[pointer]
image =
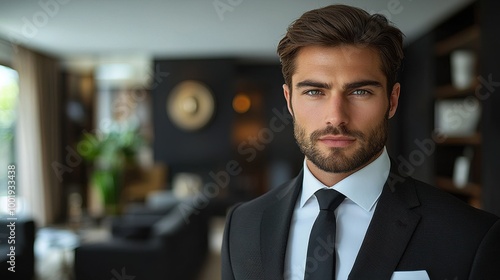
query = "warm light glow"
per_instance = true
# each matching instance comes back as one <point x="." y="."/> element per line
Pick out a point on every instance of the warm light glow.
<point x="241" y="103"/>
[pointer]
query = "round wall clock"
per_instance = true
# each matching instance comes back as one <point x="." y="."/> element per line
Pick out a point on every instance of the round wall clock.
<point x="190" y="105"/>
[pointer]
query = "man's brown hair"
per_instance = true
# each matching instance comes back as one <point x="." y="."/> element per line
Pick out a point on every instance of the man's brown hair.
<point x="338" y="25"/>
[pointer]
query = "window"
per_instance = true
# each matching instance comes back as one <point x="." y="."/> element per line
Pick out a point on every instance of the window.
<point x="9" y="90"/>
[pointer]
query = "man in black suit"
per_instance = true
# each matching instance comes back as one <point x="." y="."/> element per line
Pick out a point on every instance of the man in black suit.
<point x="340" y="65"/>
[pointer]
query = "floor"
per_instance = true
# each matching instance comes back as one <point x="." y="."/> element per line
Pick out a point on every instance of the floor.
<point x="211" y="270"/>
<point x="54" y="252"/>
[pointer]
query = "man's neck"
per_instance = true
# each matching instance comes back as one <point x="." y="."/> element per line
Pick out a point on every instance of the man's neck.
<point x="330" y="178"/>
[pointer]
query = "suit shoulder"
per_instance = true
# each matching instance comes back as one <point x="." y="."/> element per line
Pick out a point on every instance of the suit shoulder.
<point x="443" y="203"/>
<point x="259" y="204"/>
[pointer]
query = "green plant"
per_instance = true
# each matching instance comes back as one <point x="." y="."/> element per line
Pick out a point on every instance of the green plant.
<point x="110" y="154"/>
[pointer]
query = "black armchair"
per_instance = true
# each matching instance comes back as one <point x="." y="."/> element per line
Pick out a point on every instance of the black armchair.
<point x="169" y="244"/>
<point x="24" y="233"/>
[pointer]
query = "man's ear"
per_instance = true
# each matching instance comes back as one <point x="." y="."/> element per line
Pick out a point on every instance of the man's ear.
<point x="288" y="96"/>
<point x="394" y="99"/>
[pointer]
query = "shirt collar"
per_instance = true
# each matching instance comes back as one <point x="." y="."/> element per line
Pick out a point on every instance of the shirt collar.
<point x="362" y="187"/>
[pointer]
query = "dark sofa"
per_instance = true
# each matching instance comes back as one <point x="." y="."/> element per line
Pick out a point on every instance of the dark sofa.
<point x="24" y="233"/>
<point x="169" y="242"/>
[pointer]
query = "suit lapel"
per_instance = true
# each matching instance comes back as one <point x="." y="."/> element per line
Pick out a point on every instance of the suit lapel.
<point x="275" y="227"/>
<point x="390" y="230"/>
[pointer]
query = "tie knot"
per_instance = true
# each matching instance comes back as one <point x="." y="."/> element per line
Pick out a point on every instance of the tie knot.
<point x="329" y="199"/>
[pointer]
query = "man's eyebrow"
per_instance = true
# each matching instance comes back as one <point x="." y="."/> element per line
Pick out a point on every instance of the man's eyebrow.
<point x="311" y="83"/>
<point x="363" y="83"/>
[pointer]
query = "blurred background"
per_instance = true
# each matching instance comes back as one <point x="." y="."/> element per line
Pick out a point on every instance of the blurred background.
<point x="133" y="126"/>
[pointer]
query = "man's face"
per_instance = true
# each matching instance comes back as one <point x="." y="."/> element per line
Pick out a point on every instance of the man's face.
<point x="340" y="106"/>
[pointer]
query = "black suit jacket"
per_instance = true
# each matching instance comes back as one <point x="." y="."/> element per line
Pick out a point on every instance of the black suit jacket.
<point x="415" y="227"/>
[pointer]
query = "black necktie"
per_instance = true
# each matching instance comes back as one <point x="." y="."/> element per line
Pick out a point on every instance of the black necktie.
<point x="320" y="262"/>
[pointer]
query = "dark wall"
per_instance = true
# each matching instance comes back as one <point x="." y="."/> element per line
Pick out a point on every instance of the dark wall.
<point x="414" y="117"/>
<point x="208" y="146"/>
<point x="489" y="93"/>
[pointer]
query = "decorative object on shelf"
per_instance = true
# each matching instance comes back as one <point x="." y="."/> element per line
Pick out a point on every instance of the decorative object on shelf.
<point x="461" y="169"/>
<point x="457" y="117"/>
<point x="190" y="105"/>
<point x="187" y="184"/>
<point x="462" y="68"/>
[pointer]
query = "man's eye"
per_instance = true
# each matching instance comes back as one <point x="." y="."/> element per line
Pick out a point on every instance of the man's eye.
<point x="360" y="92"/>
<point x="313" y="92"/>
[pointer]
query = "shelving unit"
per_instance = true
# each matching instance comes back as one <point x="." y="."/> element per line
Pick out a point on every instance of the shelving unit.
<point x="452" y="147"/>
<point x="472" y="140"/>
<point x="426" y="80"/>
<point x="467" y="38"/>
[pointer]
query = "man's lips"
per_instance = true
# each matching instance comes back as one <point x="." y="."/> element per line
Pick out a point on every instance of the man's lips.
<point x="337" y="140"/>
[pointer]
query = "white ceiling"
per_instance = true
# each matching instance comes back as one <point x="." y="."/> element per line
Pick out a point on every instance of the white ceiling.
<point x="175" y="28"/>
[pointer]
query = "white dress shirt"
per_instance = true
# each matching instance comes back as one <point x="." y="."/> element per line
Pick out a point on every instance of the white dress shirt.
<point x="362" y="190"/>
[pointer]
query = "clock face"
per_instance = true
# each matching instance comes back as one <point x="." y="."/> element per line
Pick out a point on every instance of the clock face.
<point x="190" y="105"/>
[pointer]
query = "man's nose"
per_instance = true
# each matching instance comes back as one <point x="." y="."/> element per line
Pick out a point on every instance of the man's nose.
<point x="337" y="111"/>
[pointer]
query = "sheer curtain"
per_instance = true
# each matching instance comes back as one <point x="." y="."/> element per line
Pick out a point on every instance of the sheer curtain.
<point x="38" y="135"/>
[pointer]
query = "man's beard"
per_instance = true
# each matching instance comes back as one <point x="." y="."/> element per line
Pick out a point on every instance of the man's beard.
<point x="336" y="160"/>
